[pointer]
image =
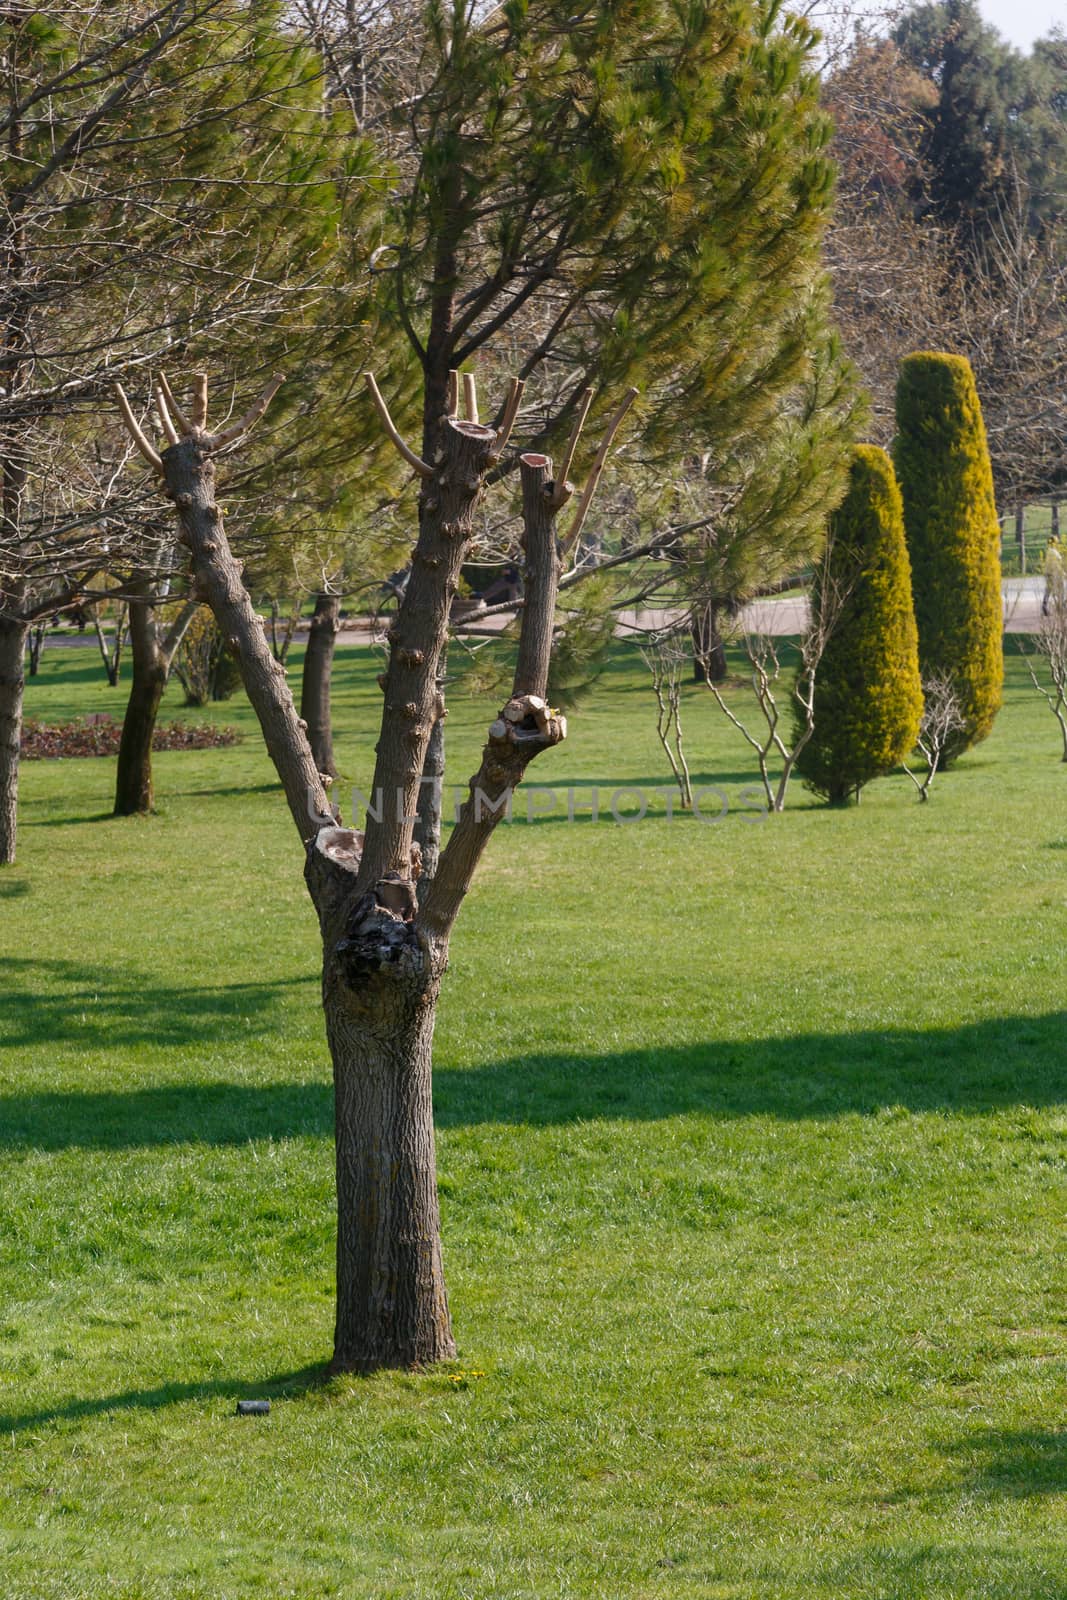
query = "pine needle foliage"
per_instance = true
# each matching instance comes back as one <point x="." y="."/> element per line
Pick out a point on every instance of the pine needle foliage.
<point x="633" y="193"/>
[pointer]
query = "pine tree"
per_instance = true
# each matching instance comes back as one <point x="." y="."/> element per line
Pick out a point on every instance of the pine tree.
<point x="994" y="125"/>
<point x="953" y="536"/>
<point x="868" y="695"/>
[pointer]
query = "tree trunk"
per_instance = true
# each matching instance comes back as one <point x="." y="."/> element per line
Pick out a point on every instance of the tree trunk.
<point x="1054" y="517"/>
<point x="431" y="794"/>
<point x="12" y="652"/>
<point x="315" y="682"/>
<point x="709" y="651"/>
<point x="133" y="779"/>
<point x="1020" y="532"/>
<point x="392" y="1308"/>
<point x="38" y="634"/>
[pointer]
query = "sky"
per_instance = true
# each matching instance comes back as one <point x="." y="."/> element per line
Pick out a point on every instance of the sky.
<point x="1018" y="21"/>
<point x="1023" y="21"/>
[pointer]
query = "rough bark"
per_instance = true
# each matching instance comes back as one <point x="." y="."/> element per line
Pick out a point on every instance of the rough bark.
<point x="526" y="726"/>
<point x="417" y="638"/>
<point x="190" y="478"/>
<point x="315" y="680"/>
<point x="13" y="631"/>
<point x="133" y="776"/>
<point x="392" y="1307"/>
<point x="431" y="799"/>
<point x="541" y="566"/>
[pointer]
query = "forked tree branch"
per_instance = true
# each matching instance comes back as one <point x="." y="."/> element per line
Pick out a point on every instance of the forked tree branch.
<point x="526" y="725"/>
<point x="507" y="421"/>
<point x="564" y="489"/>
<point x="183" y="422"/>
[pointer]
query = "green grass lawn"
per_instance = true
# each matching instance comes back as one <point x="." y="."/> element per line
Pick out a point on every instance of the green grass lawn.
<point x="753" y="1155"/>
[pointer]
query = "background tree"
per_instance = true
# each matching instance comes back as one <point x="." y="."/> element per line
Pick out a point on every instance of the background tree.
<point x="868" y="700"/>
<point x="779" y="684"/>
<point x="992" y="122"/>
<point x="946" y="483"/>
<point x="977" y="268"/>
<point x="170" y="174"/>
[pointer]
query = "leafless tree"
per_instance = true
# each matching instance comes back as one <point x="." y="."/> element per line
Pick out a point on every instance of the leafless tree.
<point x="902" y="282"/>
<point x="111" y="649"/>
<point x="772" y="691"/>
<point x="942" y="718"/>
<point x="1050" y="644"/>
<point x="667" y="656"/>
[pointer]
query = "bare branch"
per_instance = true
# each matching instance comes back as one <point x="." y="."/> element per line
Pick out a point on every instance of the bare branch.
<point x="176" y="410"/>
<point x="199" y="407"/>
<point x="387" y="423"/>
<point x="562" y="491"/>
<point x="507" y="421"/>
<point x="170" y="432"/>
<point x="582" y="511"/>
<point x="243" y="425"/>
<point x="133" y="428"/>
<point x="470" y="397"/>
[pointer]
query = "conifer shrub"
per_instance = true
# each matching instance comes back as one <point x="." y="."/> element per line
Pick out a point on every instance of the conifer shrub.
<point x="950" y="521"/>
<point x="868" y="694"/>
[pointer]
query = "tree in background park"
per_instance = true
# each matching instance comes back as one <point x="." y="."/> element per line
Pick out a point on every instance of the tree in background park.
<point x="631" y="195"/>
<point x="923" y="258"/>
<point x="169" y="174"/>
<point x="950" y="518"/>
<point x="994" y="120"/>
<point x="867" y="701"/>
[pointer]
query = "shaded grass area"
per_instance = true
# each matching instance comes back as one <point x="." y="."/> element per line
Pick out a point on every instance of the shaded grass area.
<point x="753" y="1154"/>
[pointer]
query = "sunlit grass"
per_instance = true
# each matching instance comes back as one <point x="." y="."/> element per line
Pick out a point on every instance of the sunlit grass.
<point x="752" y="1153"/>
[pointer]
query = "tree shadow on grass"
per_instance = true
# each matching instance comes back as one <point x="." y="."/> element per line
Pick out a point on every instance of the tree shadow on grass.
<point x="62" y="1001"/>
<point x="983" y="1066"/>
<point x="1015" y="1463"/>
<point x="217" y="1114"/>
<point x="279" y="1386"/>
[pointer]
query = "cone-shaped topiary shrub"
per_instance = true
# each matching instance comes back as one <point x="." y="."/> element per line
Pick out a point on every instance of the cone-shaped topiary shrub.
<point x="868" y="695"/>
<point x="950" y="521"/>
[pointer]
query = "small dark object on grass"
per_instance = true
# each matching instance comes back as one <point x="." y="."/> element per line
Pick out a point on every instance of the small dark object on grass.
<point x="253" y="1408"/>
<point x="100" y="736"/>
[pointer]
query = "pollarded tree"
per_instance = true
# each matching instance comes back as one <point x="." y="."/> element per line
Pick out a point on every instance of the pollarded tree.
<point x="384" y="950"/>
<point x="953" y="535"/>
<point x="868" y="697"/>
<point x="631" y="194"/>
